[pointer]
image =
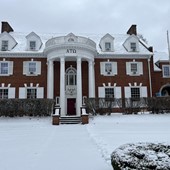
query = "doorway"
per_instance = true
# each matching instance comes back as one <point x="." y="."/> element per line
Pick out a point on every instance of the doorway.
<point x="71" y="107"/>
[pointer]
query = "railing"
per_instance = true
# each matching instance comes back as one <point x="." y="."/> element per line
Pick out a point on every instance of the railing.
<point x="62" y="40"/>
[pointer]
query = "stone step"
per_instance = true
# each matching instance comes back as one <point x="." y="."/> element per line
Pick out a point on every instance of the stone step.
<point x="70" y="120"/>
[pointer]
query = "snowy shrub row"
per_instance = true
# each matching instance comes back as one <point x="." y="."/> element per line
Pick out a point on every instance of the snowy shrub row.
<point x="142" y="156"/>
<point x="26" y="107"/>
<point x="128" y="105"/>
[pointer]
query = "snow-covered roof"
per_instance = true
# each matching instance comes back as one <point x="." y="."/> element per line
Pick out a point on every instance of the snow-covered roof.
<point x="119" y="39"/>
<point x="158" y="57"/>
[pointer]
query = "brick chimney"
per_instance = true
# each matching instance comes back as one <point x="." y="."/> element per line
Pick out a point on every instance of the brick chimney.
<point x="132" y="30"/>
<point x="6" y="27"/>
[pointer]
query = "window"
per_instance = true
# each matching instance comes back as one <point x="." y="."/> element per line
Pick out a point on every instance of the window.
<point x="108" y="68"/>
<point x="108" y="46"/>
<point x="71" y="76"/>
<point x="3" y="93"/>
<point x="133" y="46"/>
<point x="134" y="68"/>
<point x="32" y="45"/>
<point x="4" y="46"/>
<point x="32" y="67"/>
<point x="3" y="67"/>
<point x="166" y="71"/>
<point x="109" y="92"/>
<point x="31" y="93"/>
<point x="135" y="93"/>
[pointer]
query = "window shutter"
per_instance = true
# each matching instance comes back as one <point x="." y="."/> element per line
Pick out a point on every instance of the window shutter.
<point x="38" y="67"/>
<point x="22" y="93"/>
<point x="40" y="92"/>
<point x="101" y="92"/>
<point x="25" y="67"/>
<point x="10" y="67"/>
<point x="114" y="68"/>
<point x="118" y="93"/>
<point x="143" y="91"/>
<point x="128" y="72"/>
<point x="11" y="93"/>
<point x="140" y="68"/>
<point x="102" y="68"/>
<point x="127" y="92"/>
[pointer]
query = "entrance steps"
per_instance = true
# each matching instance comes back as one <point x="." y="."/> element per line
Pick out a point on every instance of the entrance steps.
<point x="70" y="120"/>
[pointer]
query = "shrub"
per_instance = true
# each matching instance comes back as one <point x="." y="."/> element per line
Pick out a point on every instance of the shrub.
<point x="26" y="107"/>
<point x="146" y="156"/>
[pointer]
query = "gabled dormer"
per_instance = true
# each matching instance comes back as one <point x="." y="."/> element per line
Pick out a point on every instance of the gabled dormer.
<point x="71" y="38"/>
<point x="34" y="42"/>
<point x="132" y="43"/>
<point x="7" y="42"/>
<point x="107" y="43"/>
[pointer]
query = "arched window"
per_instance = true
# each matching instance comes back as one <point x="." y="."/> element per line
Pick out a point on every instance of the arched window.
<point x="71" y="76"/>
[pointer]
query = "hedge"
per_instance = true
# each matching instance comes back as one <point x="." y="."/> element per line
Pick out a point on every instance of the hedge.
<point x="26" y="107"/>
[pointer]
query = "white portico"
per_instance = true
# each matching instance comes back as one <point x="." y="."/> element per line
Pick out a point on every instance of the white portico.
<point x="65" y="50"/>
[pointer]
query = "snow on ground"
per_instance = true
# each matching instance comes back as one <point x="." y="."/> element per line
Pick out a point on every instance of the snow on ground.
<point x="34" y="143"/>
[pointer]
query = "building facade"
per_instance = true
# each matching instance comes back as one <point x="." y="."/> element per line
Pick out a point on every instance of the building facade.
<point x="70" y="68"/>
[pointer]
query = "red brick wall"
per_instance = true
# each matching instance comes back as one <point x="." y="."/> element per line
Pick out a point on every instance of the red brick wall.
<point x="18" y="79"/>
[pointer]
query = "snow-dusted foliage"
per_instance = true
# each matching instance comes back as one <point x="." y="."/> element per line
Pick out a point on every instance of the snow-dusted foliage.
<point x="141" y="156"/>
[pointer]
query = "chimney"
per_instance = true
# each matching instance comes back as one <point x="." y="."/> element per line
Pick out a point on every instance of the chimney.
<point x="6" y="27"/>
<point x="132" y="30"/>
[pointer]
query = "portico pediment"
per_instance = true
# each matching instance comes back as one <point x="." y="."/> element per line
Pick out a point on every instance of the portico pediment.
<point x="71" y="38"/>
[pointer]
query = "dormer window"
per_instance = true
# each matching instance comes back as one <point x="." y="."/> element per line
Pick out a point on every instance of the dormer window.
<point x="108" y="46"/>
<point x="32" y="45"/>
<point x="4" y="46"/>
<point x="133" y="46"/>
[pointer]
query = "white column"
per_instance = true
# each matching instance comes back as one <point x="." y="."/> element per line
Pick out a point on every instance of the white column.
<point x="62" y="86"/>
<point x="91" y="80"/>
<point x="79" y="86"/>
<point x="50" y="80"/>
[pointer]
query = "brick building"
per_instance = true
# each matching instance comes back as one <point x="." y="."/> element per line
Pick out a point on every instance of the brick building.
<point x="69" y="68"/>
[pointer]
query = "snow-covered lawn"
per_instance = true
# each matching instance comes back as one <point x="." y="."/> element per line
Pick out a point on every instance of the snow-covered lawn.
<point x="34" y="144"/>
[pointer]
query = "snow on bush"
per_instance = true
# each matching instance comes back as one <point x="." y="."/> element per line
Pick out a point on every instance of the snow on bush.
<point x="141" y="156"/>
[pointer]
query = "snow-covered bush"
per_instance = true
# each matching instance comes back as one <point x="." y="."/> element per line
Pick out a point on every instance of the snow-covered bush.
<point x="141" y="156"/>
<point x="26" y="107"/>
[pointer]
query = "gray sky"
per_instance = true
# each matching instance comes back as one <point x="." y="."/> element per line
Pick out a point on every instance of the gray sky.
<point x="90" y="16"/>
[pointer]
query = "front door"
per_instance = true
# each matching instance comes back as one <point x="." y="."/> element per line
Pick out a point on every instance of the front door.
<point x="71" y="109"/>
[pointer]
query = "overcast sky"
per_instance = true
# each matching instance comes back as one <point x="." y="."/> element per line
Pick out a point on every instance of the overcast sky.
<point x="152" y="17"/>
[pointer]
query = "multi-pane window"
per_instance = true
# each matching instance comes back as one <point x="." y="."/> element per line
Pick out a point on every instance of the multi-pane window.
<point x="107" y="46"/>
<point x="133" y="46"/>
<point x="32" y="67"/>
<point x="71" y="77"/>
<point x="3" y="67"/>
<point x="108" y="68"/>
<point x="3" y="93"/>
<point x="32" y="45"/>
<point x="166" y="71"/>
<point x="31" y="93"/>
<point x="134" y="68"/>
<point x="109" y="92"/>
<point x="135" y="93"/>
<point x="4" y="46"/>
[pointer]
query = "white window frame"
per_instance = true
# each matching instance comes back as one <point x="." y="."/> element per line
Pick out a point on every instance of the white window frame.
<point x="106" y="71"/>
<point x="4" y="45"/>
<point x="133" y="69"/>
<point x="133" y="46"/>
<point x="131" y="72"/>
<point x="2" y="95"/>
<point x="27" y="70"/>
<point x="107" y="46"/>
<point x="32" y="45"/>
<point x="163" y="71"/>
<point x="31" y="96"/>
<point x="135" y="96"/>
<point x="1" y="68"/>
